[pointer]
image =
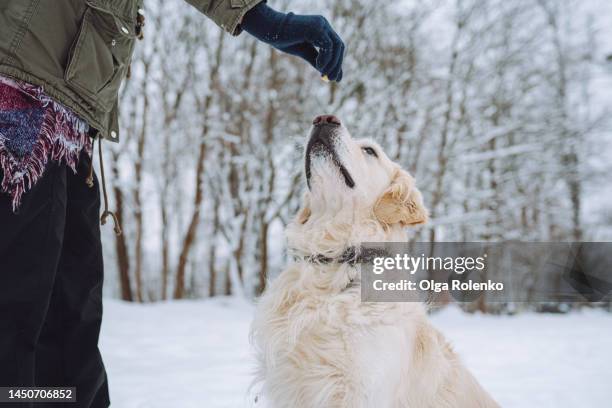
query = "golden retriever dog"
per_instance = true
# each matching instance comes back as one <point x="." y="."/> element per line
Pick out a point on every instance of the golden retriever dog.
<point x="318" y="345"/>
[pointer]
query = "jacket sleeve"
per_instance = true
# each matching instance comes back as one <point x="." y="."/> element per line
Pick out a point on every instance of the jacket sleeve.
<point x="227" y="14"/>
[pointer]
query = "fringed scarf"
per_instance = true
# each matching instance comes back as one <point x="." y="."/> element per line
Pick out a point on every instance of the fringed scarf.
<point x="33" y="129"/>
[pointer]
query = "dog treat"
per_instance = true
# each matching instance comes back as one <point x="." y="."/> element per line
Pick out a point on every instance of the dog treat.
<point x="325" y="78"/>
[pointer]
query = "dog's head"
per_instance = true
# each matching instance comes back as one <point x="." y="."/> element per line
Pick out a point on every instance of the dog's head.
<point x="355" y="192"/>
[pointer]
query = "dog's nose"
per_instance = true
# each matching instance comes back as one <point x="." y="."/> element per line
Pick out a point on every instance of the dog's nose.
<point x="329" y="119"/>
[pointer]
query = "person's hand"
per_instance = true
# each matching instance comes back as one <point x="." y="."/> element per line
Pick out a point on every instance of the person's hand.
<point x="309" y="37"/>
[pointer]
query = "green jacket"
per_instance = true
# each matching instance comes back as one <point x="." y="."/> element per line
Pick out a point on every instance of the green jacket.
<point x="80" y="50"/>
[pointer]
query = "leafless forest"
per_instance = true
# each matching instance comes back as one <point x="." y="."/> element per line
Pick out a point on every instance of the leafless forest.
<point x="494" y="105"/>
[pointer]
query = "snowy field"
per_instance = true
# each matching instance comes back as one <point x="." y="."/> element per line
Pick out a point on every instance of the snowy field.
<point x="196" y="354"/>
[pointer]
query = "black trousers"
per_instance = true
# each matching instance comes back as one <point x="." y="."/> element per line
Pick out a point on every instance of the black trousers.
<point x="51" y="276"/>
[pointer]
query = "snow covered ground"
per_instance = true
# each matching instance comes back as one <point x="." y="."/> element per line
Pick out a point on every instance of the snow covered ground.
<point x="196" y="354"/>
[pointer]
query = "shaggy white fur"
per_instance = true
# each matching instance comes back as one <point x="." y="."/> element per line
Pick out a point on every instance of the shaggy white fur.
<point x="318" y="345"/>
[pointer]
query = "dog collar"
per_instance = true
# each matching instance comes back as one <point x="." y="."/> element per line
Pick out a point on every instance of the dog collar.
<point x="352" y="256"/>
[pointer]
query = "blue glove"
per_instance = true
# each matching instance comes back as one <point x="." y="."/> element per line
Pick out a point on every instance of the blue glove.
<point x="309" y="37"/>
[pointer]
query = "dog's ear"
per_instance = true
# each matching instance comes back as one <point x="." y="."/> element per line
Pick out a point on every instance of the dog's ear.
<point x="305" y="212"/>
<point x="401" y="203"/>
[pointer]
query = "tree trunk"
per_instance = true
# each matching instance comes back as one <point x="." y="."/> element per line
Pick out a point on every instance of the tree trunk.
<point x="190" y="236"/>
<point x="263" y="262"/>
<point x="165" y="244"/>
<point x="138" y="212"/>
<point x="123" y="258"/>
<point x="212" y="253"/>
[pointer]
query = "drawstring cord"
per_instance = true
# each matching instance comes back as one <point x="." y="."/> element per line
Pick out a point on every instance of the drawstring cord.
<point x="140" y="22"/>
<point x="90" y="183"/>
<point x="89" y="180"/>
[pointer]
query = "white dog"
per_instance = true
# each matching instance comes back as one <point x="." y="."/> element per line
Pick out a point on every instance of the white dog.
<point x="318" y="345"/>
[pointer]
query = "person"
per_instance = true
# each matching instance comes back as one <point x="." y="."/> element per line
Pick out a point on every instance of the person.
<point x="61" y="65"/>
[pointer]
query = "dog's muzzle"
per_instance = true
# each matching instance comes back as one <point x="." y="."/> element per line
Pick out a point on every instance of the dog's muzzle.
<point x="323" y="138"/>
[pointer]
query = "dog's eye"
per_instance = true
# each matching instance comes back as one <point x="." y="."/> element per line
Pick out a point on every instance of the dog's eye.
<point x="370" y="151"/>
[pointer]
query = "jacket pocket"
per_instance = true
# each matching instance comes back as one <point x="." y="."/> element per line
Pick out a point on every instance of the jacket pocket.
<point x="100" y="56"/>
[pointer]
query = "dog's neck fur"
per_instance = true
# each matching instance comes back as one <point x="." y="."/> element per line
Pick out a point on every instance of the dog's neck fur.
<point x="332" y="249"/>
<point x="330" y="236"/>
